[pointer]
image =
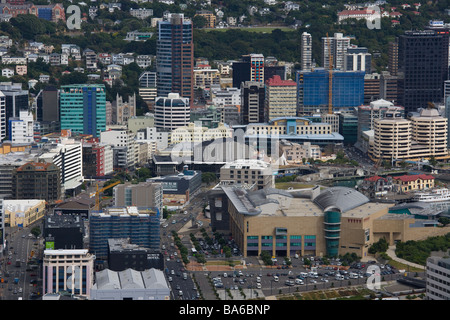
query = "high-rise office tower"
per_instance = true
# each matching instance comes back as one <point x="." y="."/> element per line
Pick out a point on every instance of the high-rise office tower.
<point x="253" y="100"/>
<point x="2" y="116"/>
<point x="338" y="45"/>
<point x="358" y="59"/>
<point x="423" y="58"/>
<point x="314" y="92"/>
<point x="280" y="98"/>
<point x="250" y="68"/>
<point x="306" y="51"/>
<point x="47" y="111"/>
<point x="446" y="90"/>
<point x="16" y="100"/>
<point x="48" y="105"/>
<point x="83" y="108"/>
<point x="256" y="66"/>
<point x="393" y="57"/>
<point x="175" y="57"/>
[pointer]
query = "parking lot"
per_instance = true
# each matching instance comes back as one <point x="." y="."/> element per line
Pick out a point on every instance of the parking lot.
<point x="250" y="277"/>
<point x="259" y="280"/>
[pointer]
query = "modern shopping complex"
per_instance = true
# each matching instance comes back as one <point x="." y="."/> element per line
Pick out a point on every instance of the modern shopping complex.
<point x="328" y="222"/>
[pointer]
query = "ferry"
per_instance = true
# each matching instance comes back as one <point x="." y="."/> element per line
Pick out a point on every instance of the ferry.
<point x="436" y="195"/>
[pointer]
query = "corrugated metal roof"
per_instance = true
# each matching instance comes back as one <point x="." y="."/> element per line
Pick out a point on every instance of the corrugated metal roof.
<point x="342" y="198"/>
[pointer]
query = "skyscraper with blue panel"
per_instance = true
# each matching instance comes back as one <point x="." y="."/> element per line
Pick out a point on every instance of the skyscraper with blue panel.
<point x="313" y="90"/>
<point x="83" y="108"/>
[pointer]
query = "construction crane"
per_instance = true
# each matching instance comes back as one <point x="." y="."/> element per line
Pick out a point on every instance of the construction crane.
<point x="330" y="77"/>
<point x="96" y="194"/>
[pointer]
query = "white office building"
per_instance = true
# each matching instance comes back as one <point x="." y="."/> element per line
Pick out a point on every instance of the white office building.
<point x="172" y="112"/>
<point x="226" y="97"/>
<point x="68" y="270"/>
<point x="68" y="156"/>
<point x="438" y="278"/>
<point x="123" y="145"/>
<point x="161" y="138"/>
<point x="338" y="45"/>
<point x="21" y="129"/>
<point x="306" y="50"/>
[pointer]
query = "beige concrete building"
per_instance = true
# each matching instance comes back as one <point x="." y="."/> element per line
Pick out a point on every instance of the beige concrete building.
<point x="205" y="77"/>
<point x="302" y="126"/>
<point x="248" y="172"/>
<point x="22" y="213"/>
<point x="136" y="123"/>
<point x="331" y="222"/>
<point x="295" y="152"/>
<point x="281" y="98"/>
<point x="421" y="137"/>
<point x="429" y="131"/>
<point x="194" y="133"/>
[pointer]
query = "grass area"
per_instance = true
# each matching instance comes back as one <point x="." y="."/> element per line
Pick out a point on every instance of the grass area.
<point x="254" y="29"/>
<point x="294" y="185"/>
<point x="222" y="263"/>
<point x="401" y="266"/>
<point x="338" y="294"/>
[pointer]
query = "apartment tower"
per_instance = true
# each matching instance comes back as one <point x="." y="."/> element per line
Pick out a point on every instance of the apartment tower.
<point x="175" y="57"/>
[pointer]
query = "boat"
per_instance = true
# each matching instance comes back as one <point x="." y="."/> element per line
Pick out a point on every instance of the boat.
<point x="436" y="195"/>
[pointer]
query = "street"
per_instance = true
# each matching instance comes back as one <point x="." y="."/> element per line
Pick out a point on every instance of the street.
<point x="19" y="279"/>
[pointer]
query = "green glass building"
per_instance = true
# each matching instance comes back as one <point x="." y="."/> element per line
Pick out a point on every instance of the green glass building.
<point x="332" y="229"/>
<point x="83" y="108"/>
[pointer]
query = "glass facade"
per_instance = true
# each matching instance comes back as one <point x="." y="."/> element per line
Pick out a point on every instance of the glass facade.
<point x="83" y="108"/>
<point x="313" y="89"/>
<point x="423" y="58"/>
<point x="174" y="57"/>
<point x="332" y="228"/>
<point x="142" y="229"/>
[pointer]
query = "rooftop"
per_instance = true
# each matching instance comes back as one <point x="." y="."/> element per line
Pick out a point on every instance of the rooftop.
<point x="342" y="198"/>
<point x="414" y="177"/>
<point x="247" y="164"/>
<point x="275" y="202"/>
<point x="130" y="279"/>
<point x="276" y="81"/>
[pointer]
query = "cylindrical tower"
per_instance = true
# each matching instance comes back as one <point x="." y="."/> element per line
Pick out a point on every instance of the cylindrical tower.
<point x="332" y="229"/>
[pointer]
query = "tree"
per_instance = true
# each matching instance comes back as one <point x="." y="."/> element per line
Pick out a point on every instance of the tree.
<point x="36" y="231"/>
<point x="379" y="246"/>
<point x="208" y="177"/>
<point x="433" y="161"/>
<point x="199" y="21"/>
<point x="73" y="78"/>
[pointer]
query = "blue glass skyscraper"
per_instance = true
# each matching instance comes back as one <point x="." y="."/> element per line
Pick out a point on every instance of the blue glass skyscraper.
<point x="313" y="90"/>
